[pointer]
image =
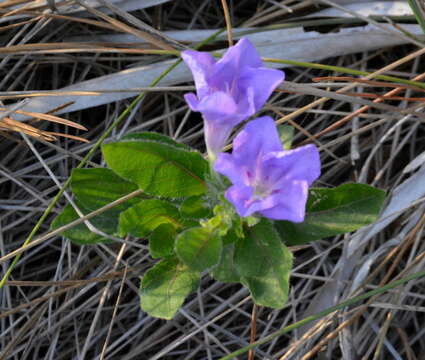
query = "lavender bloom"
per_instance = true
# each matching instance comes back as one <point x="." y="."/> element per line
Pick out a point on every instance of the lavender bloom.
<point x="266" y="178"/>
<point x="229" y="90"/>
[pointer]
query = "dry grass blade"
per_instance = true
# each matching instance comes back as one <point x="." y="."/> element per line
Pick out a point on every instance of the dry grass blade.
<point x="59" y="48"/>
<point x="154" y="33"/>
<point x="8" y="124"/>
<point x="48" y="117"/>
<point x="368" y="82"/>
<point x="73" y="137"/>
<point x="253" y="333"/>
<point x="266" y="16"/>
<point x="114" y="314"/>
<point x="228" y="22"/>
<point x="109" y="276"/>
<point x="96" y="23"/>
<point x="343" y="96"/>
<point x="125" y="28"/>
<point x="18" y="25"/>
<point x="369" y="20"/>
<point x="95" y="92"/>
<point x="382" y="97"/>
<point x="9" y="3"/>
<point x="362" y="109"/>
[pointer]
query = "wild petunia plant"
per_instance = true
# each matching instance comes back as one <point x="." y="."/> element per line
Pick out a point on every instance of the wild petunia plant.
<point x="233" y="216"/>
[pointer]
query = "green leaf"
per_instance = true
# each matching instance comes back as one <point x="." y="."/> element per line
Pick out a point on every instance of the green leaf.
<point x="158" y="168"/>
<point x="165" y="286"/>
<point x="144" y="217"/>
<point x="231" y="236"/>
<point x="153" y="136"/>
<point x="80" y="234"/>
<point x="225" y="270"/>
<point x="264" y="264"/>
<point x="194" y="208"/>
<point x="286" y="134"/>
<point x="95" y="188"/>
<point x="199" y="248"/>
<point x="334" y="211"/>
<point x="161" y="241"/>
<point x="221" y="222"/>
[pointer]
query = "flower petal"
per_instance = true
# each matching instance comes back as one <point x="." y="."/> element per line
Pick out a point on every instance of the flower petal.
<point x="216" y="135"/>
<point x="219" y="107"/>
<point x="201" y="65"/>
<point x="241" y="55"/>
<point x="246" y="103"/>
<point x="239" y="196"/>
<point x="257" y="138"/>
<point x="262" y="81"/>
<point x="226" y="166"/>
<point x="291" y="202"/>
<point x="226" y="72"/>
<point x="192" y="101"/>
<point x="302" y="163"/>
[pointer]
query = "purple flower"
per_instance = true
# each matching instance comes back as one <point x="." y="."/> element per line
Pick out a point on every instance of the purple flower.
<point x="266" y="178"/>
<point x="229" y="90"/>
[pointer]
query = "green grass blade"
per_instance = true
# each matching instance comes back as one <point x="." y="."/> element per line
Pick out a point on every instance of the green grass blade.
<point x="418" y="14"/>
